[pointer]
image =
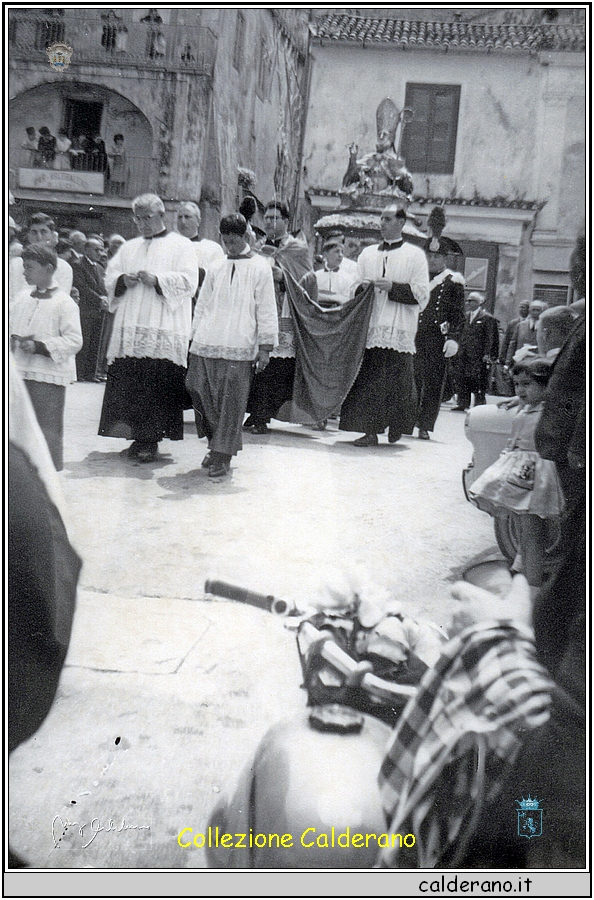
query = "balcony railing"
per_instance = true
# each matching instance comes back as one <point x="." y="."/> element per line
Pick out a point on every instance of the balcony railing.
<point x="87" y="173"/>
<point x="113" y="42"/>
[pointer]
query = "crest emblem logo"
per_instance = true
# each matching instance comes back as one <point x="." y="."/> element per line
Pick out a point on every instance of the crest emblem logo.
<point x="59" y="55"/>
<point x="529" y="817"/>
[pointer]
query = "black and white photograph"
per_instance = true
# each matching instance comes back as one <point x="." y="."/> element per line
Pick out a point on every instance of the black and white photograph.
<point x="296" y="456"/>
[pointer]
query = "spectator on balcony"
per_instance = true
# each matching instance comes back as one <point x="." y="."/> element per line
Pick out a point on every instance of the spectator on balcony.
<point x="42" y="230"/>
<point x="119" y="171"/>
<point x="150" y="284"/>
<point x="79" y="152"/>
<point x="99" y="161"/>
<point x="29" y="146"/>
<point x="46" y="148"/>
<point x="63" y="145"/>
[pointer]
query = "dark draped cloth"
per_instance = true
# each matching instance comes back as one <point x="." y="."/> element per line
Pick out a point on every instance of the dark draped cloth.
<point x="48" y="402"/>
<point x="144" y="400"/>
<point x="383" y="396"/>
<point x="43" y="573"/>
<point x="329" y="349"/>
<point x="271" y="388"/>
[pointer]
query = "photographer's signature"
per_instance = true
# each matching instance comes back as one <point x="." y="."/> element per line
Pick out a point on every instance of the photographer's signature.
<point x="89" y="830"/>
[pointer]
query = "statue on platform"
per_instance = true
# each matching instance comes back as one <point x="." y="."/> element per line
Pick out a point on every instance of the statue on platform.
<point x="382" y="172"/>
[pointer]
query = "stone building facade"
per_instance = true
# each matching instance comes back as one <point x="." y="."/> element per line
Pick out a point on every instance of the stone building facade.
<point x="210" y="103"/>
<point x="497" y="135"/>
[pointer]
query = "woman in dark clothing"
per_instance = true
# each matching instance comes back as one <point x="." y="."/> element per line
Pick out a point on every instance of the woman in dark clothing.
<point x="46" y="147"/>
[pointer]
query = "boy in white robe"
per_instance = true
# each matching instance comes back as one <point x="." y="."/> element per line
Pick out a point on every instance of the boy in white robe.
<point x="234" y="330"/>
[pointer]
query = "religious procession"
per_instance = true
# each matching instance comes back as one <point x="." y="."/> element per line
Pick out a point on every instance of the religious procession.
<point x="297" y="444"/>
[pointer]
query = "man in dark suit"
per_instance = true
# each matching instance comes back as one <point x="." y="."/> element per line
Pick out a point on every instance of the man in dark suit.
<point x="438" y="331"/>
<point x="512" y="328"/>
<point x="479" y="348"/>
<point x="88" y="278"/>
<point x="525" y="335"/>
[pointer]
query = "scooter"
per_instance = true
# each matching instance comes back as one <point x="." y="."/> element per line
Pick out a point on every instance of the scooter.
<point x="309" y="797"/>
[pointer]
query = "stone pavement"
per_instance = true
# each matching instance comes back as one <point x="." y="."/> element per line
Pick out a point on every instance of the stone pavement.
<point x="165" y="694"/>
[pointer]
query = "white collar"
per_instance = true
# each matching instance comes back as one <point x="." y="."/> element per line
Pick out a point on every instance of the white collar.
<point x="455" y="276"/>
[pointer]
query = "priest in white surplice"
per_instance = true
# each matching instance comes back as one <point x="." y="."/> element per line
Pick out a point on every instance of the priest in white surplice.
<point x="383" y="395"/>
<point x="150" y="282"/>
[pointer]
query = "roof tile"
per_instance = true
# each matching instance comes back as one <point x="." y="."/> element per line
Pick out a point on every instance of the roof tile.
<point x="338" y="27"/>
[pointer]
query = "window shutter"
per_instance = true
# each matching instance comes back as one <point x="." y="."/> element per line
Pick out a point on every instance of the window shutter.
<point x="429" y="143"/>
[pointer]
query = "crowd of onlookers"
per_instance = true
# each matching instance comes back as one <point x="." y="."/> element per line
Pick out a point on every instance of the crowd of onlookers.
<point x="84" y="153"/>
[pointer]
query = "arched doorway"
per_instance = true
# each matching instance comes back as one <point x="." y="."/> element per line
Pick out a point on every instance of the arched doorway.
<point x="83" y="111"/>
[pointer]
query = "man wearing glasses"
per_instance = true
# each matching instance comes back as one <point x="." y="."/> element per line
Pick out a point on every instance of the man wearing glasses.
<point x="150" y="283"/>
<point x="479" y="348"/>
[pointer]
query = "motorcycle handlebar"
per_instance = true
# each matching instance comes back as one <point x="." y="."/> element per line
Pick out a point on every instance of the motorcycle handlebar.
<point x="275" y="605"/>
<point x="332" y="653"/>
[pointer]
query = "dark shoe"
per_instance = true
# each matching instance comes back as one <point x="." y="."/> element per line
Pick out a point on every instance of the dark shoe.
<point x="146" y="453"/>
<point x="458" y="409"/>
<point x="393" y="436"/>
<point x="248" y="424"/>
<point x="132" y="452"/>
<point x="423" y="435"/>
<point x="261" y="428"/>
<point x="207" y="461"/>
<point x="220" y="465"/>
<point x="368" y="440"/>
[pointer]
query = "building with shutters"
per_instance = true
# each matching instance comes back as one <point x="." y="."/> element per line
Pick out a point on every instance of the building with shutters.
<point x="497" y="133"/>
